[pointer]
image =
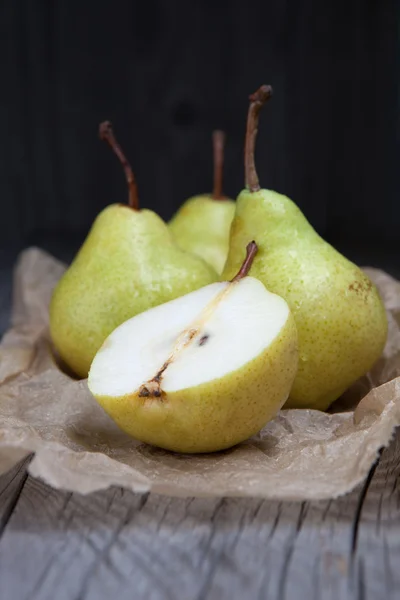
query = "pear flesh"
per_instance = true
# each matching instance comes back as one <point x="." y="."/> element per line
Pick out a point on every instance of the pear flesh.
<point x="200" y="373"/>
<point x="340" y="318"/>
<point x="128" y="263"/>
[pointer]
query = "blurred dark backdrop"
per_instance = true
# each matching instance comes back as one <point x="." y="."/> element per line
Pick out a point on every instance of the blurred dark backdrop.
<point x="166" y="72"/>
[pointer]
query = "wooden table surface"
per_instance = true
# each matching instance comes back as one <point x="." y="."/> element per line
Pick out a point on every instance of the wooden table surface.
<point x="115" y="544"/>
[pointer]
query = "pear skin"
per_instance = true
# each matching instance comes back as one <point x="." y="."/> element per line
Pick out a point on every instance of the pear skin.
<point x="128" y="263"/>
<point x="340" y="317"/>
<point x="202" y="224"/>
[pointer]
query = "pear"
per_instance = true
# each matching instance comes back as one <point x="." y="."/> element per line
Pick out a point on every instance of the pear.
<point x="128" y="263"/>
<point x="203" y="222"/>
<point x="203" y="372"/>
<point x="340" y="318"/>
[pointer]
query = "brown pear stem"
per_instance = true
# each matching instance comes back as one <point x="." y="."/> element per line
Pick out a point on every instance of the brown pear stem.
<point x="218" y="151"/>
<point x="251" y="251"/>
<point x="257" y="101"/>
<point x="106" y="133"/>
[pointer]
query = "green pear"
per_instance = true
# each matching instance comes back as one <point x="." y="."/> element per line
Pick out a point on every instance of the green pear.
<point x="203" y="372"/>
<point x="340" y="318"/>
<point x="128" y="263"/>
<point x="202" y="224"/>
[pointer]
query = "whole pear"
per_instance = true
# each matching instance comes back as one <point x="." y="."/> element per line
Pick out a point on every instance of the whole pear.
<point x="203" y="372"/>
<point x="128" y="263"/>
<point x="202" y="224"/>
<point x="340" y="318"/>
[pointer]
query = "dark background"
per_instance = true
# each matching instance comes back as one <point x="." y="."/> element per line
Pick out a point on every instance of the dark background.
<point x="166" y="73"/>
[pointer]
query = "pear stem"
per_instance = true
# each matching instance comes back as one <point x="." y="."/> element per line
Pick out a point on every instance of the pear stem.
<point x="218" y="151"/>
<point x="251" y="251"/>
<point x="257" y="101"/>
<point x="106" y="133"/>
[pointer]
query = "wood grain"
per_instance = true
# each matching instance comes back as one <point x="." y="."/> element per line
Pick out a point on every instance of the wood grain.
<point x="119" y="544"/>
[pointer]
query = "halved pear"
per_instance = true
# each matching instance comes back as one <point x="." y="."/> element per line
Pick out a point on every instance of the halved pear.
<point x="200" y="373"/>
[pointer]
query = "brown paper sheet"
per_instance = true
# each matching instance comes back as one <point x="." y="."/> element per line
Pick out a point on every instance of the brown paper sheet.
<point x="302" y="454"/>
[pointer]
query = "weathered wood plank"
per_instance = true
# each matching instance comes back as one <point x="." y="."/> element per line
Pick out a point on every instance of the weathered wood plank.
<point x="377" y="556"/>
<point x="11" y="484"/>
<point x="116" y="543"/>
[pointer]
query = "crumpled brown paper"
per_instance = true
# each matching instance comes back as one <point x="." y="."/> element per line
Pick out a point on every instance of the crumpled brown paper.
<point x="302" y="454"/>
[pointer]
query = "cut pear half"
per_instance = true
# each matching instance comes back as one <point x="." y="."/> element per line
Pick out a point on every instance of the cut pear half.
<point x="200" y="373"/>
